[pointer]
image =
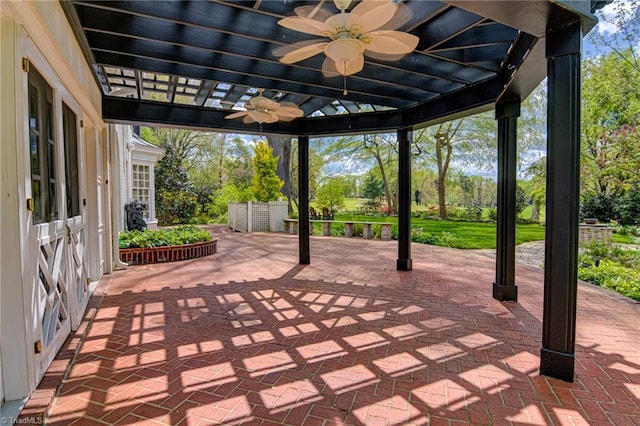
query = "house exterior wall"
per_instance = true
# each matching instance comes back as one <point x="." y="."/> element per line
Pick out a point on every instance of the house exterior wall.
<point x="129" y="150"/>
<point x="57" y="250"/>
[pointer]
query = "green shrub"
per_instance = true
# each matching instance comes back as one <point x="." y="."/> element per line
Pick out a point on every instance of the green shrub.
<point x="163" y="237"/>
<point x="218" y="203"/>
<point x="628" y="208"/>
<point x="175" y="207"/>
<point x="445" y="239"/>
<point x="600" y="206"/>
<point x="611" y="267"/>
<point x="472" y="213"/>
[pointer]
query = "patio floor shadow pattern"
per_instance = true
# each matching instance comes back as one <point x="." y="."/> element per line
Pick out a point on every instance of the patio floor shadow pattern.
<point x="248" y="336"/>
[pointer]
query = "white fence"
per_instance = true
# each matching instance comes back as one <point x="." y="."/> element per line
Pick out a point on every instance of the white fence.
<point x="254" y="216"/>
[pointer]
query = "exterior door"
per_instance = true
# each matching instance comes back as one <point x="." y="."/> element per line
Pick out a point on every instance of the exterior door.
<point x="95" y="227"/>
<point x="100" y="203"/>
<point x="47" y="266"/>
<point x="77" y="275"/>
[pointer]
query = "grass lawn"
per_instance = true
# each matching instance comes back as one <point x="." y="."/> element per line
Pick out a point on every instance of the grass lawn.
<point x="473" y="234"/>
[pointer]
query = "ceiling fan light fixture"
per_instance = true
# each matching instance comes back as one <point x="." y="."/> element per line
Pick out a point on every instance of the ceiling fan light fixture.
<point x="344" y="50"/>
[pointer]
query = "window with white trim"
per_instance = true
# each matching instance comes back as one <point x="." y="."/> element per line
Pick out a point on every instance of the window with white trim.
<point x="141" y="185"/>
<point x="42" y="149"/>
<point x="71" y="161"/>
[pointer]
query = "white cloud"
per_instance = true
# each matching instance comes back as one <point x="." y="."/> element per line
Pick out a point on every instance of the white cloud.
<point x="609" y="22"/>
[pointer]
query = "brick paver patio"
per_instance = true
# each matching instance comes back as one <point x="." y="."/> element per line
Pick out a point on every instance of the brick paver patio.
<point x="248" y="336"/>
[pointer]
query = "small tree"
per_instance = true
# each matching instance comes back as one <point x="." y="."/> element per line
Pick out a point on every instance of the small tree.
<point x="373" y="187"/>
<point x="331" y="194"/>
<point x="266" y="184"/>
<point x="175" y="200"/>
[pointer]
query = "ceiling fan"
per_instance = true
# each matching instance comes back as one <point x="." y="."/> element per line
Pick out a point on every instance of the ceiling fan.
<point x="264" y="110"/>
<point x="368" y="29"/>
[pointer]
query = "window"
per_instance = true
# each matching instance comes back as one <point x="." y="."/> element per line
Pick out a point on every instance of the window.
<point x="71" y="161"/>
<point x="140" y="185"/>
<point x="42" y="149"/>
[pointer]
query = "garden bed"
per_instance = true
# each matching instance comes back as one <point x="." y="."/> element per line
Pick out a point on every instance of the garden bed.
<point x="145" y="255"/>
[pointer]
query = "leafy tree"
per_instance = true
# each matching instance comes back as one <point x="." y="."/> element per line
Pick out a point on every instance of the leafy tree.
<point x="207" y="169"/>
<point x="628" y="207"/>
<point x="266" y="184"/>
<point x="472" y="141"/>
<point x="331" y="194"/>
<point x="319" y="157"/>
<point x="439" y="141"/>
<point x="217" y="207"/>
<point x="238" y="163"/>
<point x="175" y="200"/>
<point x="380" y="150"/>
<point x="619" y="32"/>
<point x="522" y="201"/>
<point x="611" y="112"/>
<point x="185" y="143"/>
<point x="373" y="188"/>
<point x="600" y="206"/>
<point x="537" y="186"/>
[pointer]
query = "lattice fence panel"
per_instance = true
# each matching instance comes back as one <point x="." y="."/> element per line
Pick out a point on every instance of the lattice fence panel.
<point x="259" y="216"/>
<point x="237" y="216"/>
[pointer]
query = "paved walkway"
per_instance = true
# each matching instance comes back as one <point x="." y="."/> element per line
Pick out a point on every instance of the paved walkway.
<point x="248" y="336"/>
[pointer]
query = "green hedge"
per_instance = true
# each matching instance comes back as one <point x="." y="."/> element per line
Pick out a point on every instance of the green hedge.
<point x="163" y="237"/>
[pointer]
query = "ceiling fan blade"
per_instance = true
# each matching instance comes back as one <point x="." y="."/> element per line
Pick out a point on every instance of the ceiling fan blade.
<point x="273" y="117"/>
<point x="307" y="26"/>
<point x="236" y="114"/>
<point x="288" y="105"/>
<point x="304" y="51"/>
<point x="329" y="68"/>
<point x="377" y="14"/>
<point x="260" y="102"/>
<point x="403" y="16"/>
<point x="286" y="117"/>
<point x="366" y="6"/>
<point x="248" y="119"/>
<point x="289" y="111"/>
<point x="316" y="12"/>
<point x="263" y="117"/>
<point x="390" y="42"/>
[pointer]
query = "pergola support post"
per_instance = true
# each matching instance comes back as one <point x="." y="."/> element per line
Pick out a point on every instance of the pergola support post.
<point x="504" y="288"/>
<point x="563" y="51"/>
<point x="303" y="202"/>
<point x="404" y="262"/>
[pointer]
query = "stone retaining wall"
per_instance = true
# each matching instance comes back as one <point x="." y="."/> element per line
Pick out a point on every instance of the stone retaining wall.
<point x="601" y="234"/>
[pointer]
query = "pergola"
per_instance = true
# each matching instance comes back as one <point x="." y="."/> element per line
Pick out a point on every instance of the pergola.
<point x="189" y="64"/>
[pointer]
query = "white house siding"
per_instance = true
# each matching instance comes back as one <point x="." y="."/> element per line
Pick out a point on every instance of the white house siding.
<point x="148" y="155"/>
<point x="69" y="250"/>
<point x="128" y="150"/>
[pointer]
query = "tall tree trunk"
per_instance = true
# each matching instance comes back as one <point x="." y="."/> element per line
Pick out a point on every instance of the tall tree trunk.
<point x="385" y="182"/>
<point x="535" y="212"/>
<point x="444" y="149"/>
<point x="282" y="149"/>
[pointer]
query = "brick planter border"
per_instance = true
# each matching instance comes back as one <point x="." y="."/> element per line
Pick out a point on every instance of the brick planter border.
<point x="142" y="256"/>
